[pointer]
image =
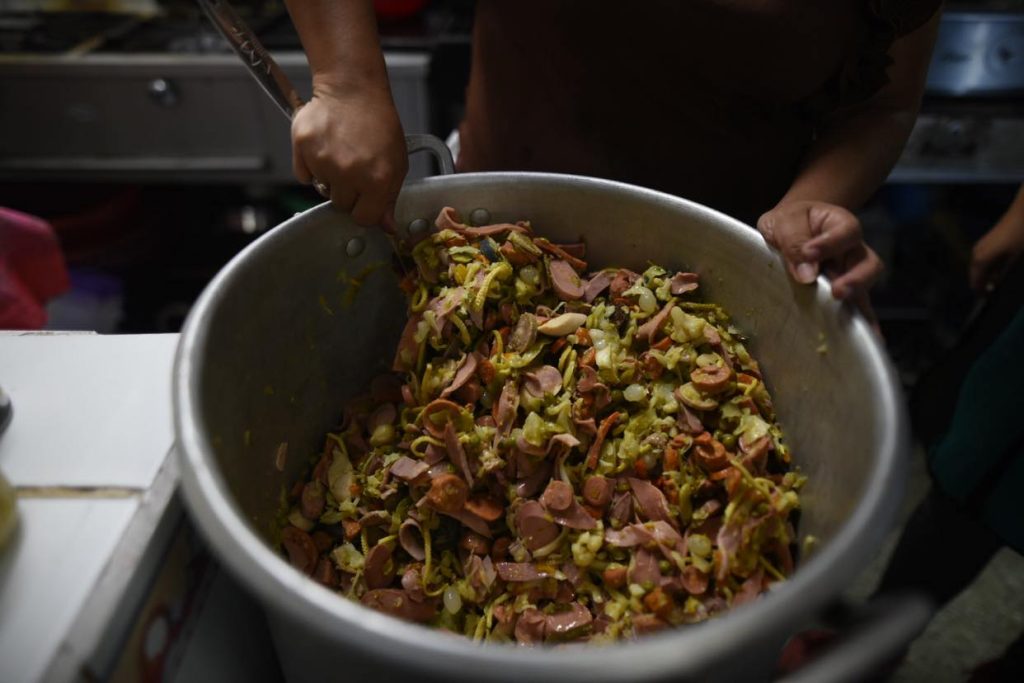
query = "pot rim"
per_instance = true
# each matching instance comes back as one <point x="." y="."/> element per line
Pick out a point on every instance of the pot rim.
<point x="675" y="652"/>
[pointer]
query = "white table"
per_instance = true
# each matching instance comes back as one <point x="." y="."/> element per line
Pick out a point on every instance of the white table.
<point x="93" y="582"/>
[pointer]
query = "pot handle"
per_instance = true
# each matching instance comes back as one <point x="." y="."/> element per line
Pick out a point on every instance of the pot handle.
<point x="436" y="146"/>
<point x="278" y="86"/>
<point x="872" y="635"/>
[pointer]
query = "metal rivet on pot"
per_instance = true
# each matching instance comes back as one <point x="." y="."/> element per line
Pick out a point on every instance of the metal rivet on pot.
<point x="480" y="217"/>
<point x="417" y="226"/>
<point x="355" y="246"/>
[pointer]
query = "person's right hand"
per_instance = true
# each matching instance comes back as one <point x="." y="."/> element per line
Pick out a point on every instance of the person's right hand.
<point x="996" y="251"/>
<point x="352" y="142"/>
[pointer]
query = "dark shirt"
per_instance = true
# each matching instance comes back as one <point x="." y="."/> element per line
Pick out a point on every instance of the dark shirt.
<point x="712" y="100"/>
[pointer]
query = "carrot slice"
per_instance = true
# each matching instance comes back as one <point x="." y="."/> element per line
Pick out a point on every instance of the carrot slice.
<point x="663" y="345"/>
<point x="602" y="433"/>
<point x="671" y="458"/>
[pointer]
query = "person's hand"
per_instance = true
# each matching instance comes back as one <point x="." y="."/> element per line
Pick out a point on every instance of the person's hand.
<point x="352" y="142"/>
<point x="816" y="236"/>
<point x="996" y="251"/>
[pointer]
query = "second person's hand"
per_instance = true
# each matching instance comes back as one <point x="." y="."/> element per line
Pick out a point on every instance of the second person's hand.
<point x="813" y="236"/>
<point x="351" y="140"/>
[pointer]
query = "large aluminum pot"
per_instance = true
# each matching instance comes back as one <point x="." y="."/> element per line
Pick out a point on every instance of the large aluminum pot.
<point x="278" y="341"/>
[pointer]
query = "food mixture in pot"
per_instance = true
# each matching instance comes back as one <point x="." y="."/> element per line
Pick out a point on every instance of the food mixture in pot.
<point x="558" y="455"/>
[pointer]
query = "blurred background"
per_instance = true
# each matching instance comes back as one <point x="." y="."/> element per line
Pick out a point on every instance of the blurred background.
<point x="137" y="135"/>
<point x="131" y="128"/>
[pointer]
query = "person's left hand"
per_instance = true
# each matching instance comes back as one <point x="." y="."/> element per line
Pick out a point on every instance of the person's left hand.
<point x="816" y="236"/>
<point x="996" y="251"/>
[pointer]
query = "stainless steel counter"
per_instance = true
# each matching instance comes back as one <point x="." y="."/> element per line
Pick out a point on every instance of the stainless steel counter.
<point x="164" y="117"/>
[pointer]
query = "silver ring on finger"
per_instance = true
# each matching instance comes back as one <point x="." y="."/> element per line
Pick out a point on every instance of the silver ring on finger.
<point x="320" y="187"/>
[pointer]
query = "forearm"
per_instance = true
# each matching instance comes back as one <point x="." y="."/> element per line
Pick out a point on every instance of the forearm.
<point x="341" y="43"/>
<point x="859" y="145"/>
<point x="1015" y="212"/>
<point x="852" y="157"/>
<point x="349" y="136"/>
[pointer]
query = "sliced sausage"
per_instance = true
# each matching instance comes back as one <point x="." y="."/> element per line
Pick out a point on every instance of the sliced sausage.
<point x="565" y="281"/>
<point x="398" y="603"/>
<point x="312" y="501"/>
<point x="300" y="548"/>
<point x="448" y="493"/>
<point x="379" y="570"/>
<point x="558" y="496"/>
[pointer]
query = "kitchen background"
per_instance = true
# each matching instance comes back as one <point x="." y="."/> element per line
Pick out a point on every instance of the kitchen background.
<point x="133" y="130"/>
<point x="143" y="141"/>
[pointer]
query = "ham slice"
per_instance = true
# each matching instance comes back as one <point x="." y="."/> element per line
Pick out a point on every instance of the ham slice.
<point x="622" y="508"/>
<point x="628" y="536"/>
<point x="653" y="326"/>
<point x="465" y="372"/>
<point x="408" y="347"/>
<point x="644" y="568"/>
<point x="505" y="409"/>
<point x="471" y="521"/>
<point x="575" y="518"/>
<point x="622" y="281"/>
<point x="533" y="525"/>
<point x="749" y="589"/>
<point x="694" y="580"/>
<point x="650" y="500"/>
<point x="561" y="623"/>
<point x="531" y="626"/>
<point x="555" y="250"/>
<point x="595" y="285"/>
<point x="545" y="380"/>
<point x="688" y="421"/>
<point x="681" y="283"/>
<point x="558" y="444"/>
<point x="409" y="470"/>
<point x="410" y="537"/>
<point x="448" y="219"/>
<point x="456" y="452"/>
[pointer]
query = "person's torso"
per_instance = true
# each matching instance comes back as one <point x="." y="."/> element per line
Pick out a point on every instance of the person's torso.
<point x="709" y="99"/>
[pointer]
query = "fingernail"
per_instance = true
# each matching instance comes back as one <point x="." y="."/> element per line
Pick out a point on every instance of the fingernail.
<point x="806" y="272"/>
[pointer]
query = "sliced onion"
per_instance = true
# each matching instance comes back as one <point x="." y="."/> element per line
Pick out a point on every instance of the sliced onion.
<point x="452" y="600"/>
<point x="634" y="393"/>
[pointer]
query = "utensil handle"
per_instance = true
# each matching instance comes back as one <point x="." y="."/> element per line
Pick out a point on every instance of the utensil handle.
<point x="278" y="86"/>
<point x="257" y="60"/>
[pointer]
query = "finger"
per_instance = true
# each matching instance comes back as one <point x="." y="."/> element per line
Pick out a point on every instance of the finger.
<point x="864" y="269"/>
<point x="790" y="234"/>
<point x="369" y="208"/>
<point x="387" y="220"/>
<point x="863" y="303"/>
<point x="766" y="226"/>
<point x="343" y="197"/>
<point x="299" y="167"/>
<point x="838" y="236"/>
<point x="986" y="272"/>
<point x="978" y="275"/>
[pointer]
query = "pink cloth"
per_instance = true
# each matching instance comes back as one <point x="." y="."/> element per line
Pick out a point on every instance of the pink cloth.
<point x="32" y="270"/>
